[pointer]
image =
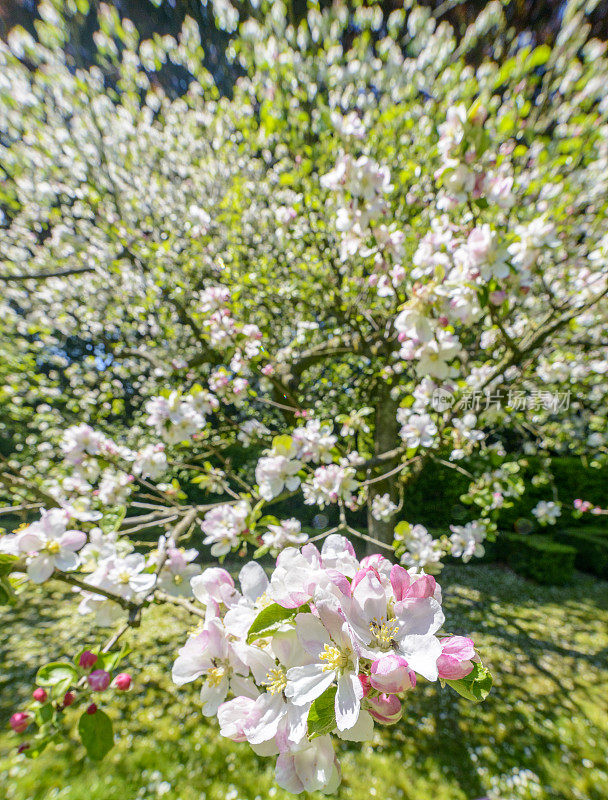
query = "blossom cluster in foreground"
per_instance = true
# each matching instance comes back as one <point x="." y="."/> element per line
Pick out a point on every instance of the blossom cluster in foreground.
<point x="325" y="647"/>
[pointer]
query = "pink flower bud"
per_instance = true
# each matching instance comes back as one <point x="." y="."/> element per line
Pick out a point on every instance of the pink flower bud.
<point x="40" y="695"/>
<point x="385" y="709"/>
<point x="391" y="673"/>
<point x="87" y="660"/>
<point x="68" y="699"/>
<point x="91" y="709"/>
<point x="364" y="681"/>
<point x="455" y="659"/>
<point x="122" y="681"/>
<point x="19" y="721"/>
<point x="23" y="747"/>
<point x="99" y="680"/>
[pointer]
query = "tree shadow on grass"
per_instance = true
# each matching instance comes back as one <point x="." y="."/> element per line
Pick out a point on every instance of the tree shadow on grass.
<point x="545" y="646"/>
<point x="546" y="649"/>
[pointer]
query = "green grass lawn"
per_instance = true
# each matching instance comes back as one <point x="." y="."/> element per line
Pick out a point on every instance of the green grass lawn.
<point x="548" y="711"/>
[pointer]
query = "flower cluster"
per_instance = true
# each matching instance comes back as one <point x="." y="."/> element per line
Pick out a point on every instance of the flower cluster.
<point x="466" y="540"/>
<point x="547" y="512"/>
<point x="583" y="506"/>
<point x="178" y="417"/>
<point x="327" y="646"/>
<point x="107" y="562"/>
<point x="362" y="184"/>
<point x="77" y="686"/>
<point x="47" y="545"/>
<point x="417" y="548"/>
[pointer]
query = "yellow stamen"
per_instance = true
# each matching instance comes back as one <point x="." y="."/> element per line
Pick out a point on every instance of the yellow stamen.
<point x="384" y="632"/>
<point x="263" y="601"/>
<point x="53" y="547"/>
<point x="177" y="579"/>
<point x="276" y="680"/>
<point x="334" y="658"/>
<point x="215" y="676"/>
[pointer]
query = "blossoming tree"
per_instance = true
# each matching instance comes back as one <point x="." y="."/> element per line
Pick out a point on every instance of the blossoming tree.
<point x="362" y="264"/>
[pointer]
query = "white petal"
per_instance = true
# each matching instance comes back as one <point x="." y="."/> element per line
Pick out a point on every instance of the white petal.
<point x="348" y="700"/>
<point x="73" y="540"/>
<point x="243" y="687"/>
<point x="134" y="562"/>
<point x="268" y="711"/>
<point x="238" y="620"/>
<point x="314" y="764"/>
<point x="362" y="730"/>
<point x="420" y="617"/>
<point x="40" y="568"/>
<point x="142" y="583"/>
<point x="253" y="581"/>
<point x="297" y="722"/>
<point x="265" y="749"/>
<point x="212" y="697"/>
<point x="305" y="684"/>
<point x="30" y="541"/>
<point x="254" y="659"/>
<point x="285" y="774"/>
<point x="312" y="634"/>
<point x="191" y="662"/>
<point x="66" y="560"/>
<point x="421" y="653"/>
<point x="332" y="620"/>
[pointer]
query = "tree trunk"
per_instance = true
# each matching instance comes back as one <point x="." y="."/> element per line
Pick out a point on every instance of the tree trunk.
<point x="386" y="438"/>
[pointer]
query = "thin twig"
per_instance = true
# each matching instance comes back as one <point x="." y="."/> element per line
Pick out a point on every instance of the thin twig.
<point x="41" y="276"/>
<point x="323" y="535"/>
<point x="24" y="507"/>
<point x="370" y="539"/>
<point x="115" y="637"/>
<point x="163" y="597"/>
<point x="89" y="587"/>
<point x="390" y="473"/>
<point x="151" y="524"/>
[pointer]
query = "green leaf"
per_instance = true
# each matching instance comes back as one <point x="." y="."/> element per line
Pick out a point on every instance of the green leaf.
<point x="269" y="519"/>
<point x="44" y="714"/>
<point x="282" y="445"/>
<point x="58" y="672"/>
<point x="268" y="619"/>
<point x="6" y="563"/>
<point x="322" y="714"/>
<point x="7" y="594"/>
<point x="476" y="685"/>
<point x="402" y="529"/>
<point x="37" y="746"/>
<point x="109" y="661"/>
<point x="96" y="734"/>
